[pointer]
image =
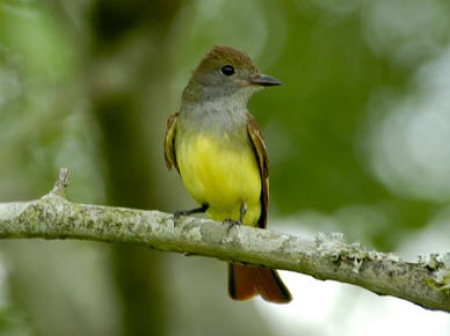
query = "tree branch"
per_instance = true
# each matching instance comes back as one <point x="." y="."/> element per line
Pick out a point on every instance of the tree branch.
<point x="328" y="257"/>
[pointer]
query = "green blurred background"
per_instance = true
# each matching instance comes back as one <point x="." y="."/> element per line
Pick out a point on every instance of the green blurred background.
<point x="357" y="139"/>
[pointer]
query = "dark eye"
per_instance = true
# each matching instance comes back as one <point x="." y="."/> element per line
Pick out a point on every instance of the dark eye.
<point x="227" y="70"/>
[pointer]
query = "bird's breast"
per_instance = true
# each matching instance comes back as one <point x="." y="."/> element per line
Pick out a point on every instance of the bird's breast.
<point x="221" y="170"/>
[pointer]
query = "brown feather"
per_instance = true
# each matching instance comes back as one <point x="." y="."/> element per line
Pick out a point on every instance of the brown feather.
<point x="256" y="138"/>
<point x="244" y="282"/>
<point x="222" y="55"/>
<point x="169" y="142"/>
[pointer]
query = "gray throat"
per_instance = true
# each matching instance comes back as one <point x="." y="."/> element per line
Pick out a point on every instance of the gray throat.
<point x="222" y="116"/>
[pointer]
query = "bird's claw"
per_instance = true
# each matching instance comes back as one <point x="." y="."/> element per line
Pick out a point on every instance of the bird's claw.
<point x="232" y="223"/>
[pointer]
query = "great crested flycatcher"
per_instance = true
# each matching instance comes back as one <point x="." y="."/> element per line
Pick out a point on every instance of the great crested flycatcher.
<point x="217" y="147"/>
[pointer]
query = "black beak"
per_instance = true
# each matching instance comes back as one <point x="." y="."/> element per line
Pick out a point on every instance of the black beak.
<point x="264" y="80"/>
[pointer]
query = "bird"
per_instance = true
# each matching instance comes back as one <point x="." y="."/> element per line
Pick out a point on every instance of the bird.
<point x="217" y="147"/>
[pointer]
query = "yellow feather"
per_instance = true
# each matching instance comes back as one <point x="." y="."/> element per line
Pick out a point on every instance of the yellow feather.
<point x="223" y="175"/>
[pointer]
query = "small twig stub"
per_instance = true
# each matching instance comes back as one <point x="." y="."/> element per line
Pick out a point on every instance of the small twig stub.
<point x="61" y="183"/>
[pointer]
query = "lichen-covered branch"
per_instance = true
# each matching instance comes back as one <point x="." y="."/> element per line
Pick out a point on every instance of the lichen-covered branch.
<point x="328" y="257"/>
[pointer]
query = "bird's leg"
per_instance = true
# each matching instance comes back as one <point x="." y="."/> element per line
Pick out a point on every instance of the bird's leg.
<point x="243" y="211"/>
<point x="201" y="209"/>
<point x="232" y="222"/>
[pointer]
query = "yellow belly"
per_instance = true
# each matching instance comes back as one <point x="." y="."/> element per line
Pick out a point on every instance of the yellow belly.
<point x="223" y="175"/>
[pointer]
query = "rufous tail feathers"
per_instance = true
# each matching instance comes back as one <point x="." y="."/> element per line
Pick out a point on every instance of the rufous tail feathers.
<point x="244" y="282"/>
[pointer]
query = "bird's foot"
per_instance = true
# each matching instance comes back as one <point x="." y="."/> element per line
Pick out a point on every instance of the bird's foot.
<point x="179" y="213"/>
<point x="232" y="223"/>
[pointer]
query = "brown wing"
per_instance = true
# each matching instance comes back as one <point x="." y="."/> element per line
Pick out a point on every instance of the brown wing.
<point x="260" y="150"/>
<point x="169" y="142"/>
